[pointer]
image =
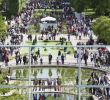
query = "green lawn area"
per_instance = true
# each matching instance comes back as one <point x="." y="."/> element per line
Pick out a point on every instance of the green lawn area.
<point x="49" y="10"/>
<point x="89" y="12"/>
<point x="46" y="50"/>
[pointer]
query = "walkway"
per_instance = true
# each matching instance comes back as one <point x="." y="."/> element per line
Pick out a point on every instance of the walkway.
<point x="68" y="59"/>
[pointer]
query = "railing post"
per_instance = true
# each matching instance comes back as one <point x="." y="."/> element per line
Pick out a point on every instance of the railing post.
<point x="29" y="89"/>
<point x="79" y="73"/>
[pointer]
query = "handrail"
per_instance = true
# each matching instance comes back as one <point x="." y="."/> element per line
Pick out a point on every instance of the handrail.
<point x="68" y="86"/>
<point x="80" y="46"/>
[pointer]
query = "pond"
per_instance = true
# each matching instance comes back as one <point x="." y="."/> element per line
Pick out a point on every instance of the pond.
<point x="57" y="96"/>
<point x="68" y="76"/>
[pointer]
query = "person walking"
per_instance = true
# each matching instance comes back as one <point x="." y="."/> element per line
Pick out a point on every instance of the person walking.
<point x="35" y="59"/>
<point x="38" y="53"/>
<point x="24" y="59"/>
<point x="59" y="53"/>
<point x="57" y="61"/>
<point x="85" y="58"/>
<point x="50" y="58"/>
<point x="6" y="58"/>
<point x="68" y="36"/>
<point x="62" y="59"/>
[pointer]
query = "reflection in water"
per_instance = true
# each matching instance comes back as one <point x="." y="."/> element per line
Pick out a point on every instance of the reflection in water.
<point x="53" y="96"/>
<point x="57" y="96"/>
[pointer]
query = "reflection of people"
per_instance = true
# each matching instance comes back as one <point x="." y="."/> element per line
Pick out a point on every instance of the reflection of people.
<point x="57" y="60"/>
<point x="7" y="79"/>
<point x="43" y="97"/>
<point x="40" y="97"/>
<point x="35" y="82"/>
<point x="54" y="83"/>
<point x="59" y="84"/>
<point x="41" y="60"/>
<point x="34" y="96"/>
<point x="77" y="80"/>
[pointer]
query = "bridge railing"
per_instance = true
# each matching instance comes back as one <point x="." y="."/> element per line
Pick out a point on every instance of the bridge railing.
<point x="78" y="60"/>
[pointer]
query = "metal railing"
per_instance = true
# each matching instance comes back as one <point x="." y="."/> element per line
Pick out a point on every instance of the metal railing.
<point x="79" y="86"/>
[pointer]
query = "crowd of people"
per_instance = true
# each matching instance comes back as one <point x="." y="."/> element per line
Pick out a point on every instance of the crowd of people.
<point x="17" y="26"/>
<point x="51" y="4"/>
<point x="101" y="93"/>
<point x="46" y="96"/>
<point x="79" y="27"/>
<point x="101" y="56"/>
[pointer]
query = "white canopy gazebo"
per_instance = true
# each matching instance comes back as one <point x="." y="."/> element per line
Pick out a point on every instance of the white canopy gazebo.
<point x="48" y="18"/>
<point x="48" y="21"/>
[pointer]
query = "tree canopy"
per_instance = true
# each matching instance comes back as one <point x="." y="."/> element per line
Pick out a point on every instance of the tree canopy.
<point x="101" y="7"/>
<point x="13" y="7"/>
<point x="2" y="27"/>
<point x="1" y="2"/>
<point x="102" y="28"/>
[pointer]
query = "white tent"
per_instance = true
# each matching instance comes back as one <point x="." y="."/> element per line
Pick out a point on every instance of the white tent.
<point x="108" y="48"/>
<point x="48" y="18"/>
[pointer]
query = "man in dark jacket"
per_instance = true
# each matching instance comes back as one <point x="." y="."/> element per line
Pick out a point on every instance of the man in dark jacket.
<point x="62" y="59"/>
<point x="50" y="58"/>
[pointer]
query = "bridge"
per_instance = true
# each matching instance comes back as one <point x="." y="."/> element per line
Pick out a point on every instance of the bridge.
<point x="55" y="65"/>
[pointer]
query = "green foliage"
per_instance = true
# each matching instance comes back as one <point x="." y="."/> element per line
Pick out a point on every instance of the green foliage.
<point x="69" y="52"/>
<point x="2" y="27"/>
<point x="13" y="8"/>
<point x="102" y="28"/>
<point x="14" y="97"/>
<point x="18" y="73"/>
<point x="80" y="5"/>
<point x="50" y="73"/>
<point x="45" y="49"/>
<point x="35" y="73"/>
<point x="1" y="3"/>
<point x="100" y="7"/>
<point x="4" y="90"/>
<point x="3" y="74"/>
<point x="46" y="40"/>
<point x="22" y="3"/>
<point x="25" y="73"/>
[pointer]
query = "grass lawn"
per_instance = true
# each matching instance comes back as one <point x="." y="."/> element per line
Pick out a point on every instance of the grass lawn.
<point x="49" y="10"/>
<point x="46" y="50"/>
<point x="89" y="12"/>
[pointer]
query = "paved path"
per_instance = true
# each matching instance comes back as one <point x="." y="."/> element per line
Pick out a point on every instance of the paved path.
<point x="69" y="58"/>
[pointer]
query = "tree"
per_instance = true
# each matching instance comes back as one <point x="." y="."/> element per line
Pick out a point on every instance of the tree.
<point x="1" y="4"/>
<point x="102" y="28"/>
<point x="80" y="5"/>
<point x="101" y="7"/>
<point x="2" y="27"/>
